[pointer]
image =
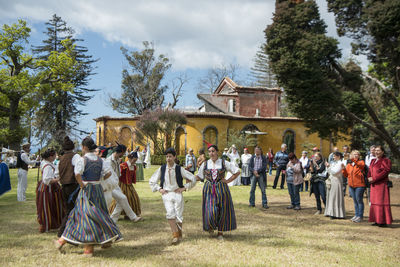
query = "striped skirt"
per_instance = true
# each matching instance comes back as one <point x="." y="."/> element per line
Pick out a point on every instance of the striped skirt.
<point x="133" y="199"/>
<point x="218" y="210"/>
<point x="49" y="206"/>
<point x="89" y="222"/>
<point x="139" y="172"/>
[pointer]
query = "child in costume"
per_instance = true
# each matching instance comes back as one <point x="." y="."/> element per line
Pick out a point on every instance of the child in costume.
<point x="49" y="203"/>
<point x="126" y="181"/>
<point x="171" y="187"/>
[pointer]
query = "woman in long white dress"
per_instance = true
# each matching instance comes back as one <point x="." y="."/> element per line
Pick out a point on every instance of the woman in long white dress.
<point x="246" y="173"/>
<point x="335" y="198"/>
<point x="235" y="159"/>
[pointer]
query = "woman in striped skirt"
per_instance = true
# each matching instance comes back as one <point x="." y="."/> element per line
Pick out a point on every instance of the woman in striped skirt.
<point x="128" y="176"/>
<point x="48" y="195"/>
<point x="89" y="223"/>
<point x="218" y="210"/>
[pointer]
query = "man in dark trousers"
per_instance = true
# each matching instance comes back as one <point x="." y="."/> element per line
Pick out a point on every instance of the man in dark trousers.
<point x="281" y="160"/>
<point x="69" y="185"/>
<point x="258" y="169"/>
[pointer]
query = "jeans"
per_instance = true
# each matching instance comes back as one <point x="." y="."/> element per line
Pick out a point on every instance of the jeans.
<point x="278" y="172"/>
<point x="261" y="183"/>
<point x="270" y="163"/>
<point x="357" y="194"/>
<point x="319" y="192"/>
<point x="294" y="194"/>
<point x="302" y="185"/>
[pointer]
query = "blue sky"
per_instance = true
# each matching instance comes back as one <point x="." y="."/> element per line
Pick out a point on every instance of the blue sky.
<point x="194" y="35"/>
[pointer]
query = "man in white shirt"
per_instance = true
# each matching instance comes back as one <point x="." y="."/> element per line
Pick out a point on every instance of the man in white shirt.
<point x="117" y="194"/>
<point x="171" y="187"/>
<point x="370" y="156"/>
<point x="23" y="161"/>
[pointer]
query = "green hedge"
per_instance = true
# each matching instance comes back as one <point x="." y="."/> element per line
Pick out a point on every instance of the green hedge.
<point x="160" y="160"/>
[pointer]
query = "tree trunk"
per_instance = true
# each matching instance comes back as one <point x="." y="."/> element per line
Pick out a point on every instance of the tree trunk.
<point x="14" y="124"/>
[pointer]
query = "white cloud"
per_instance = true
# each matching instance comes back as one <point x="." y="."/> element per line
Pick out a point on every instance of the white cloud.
<point x="194" y="34"/>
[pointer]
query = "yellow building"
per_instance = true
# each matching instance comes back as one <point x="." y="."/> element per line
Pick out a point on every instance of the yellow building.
<point x="251" y="110"/>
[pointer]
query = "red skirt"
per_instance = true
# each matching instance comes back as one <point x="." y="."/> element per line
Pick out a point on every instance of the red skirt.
<point x="49" y="206"/>
<point x="380" y="211"/>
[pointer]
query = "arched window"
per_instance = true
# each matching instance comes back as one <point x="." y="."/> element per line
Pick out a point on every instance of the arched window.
<point x="210" y="135"/>
<point x="289" y="138"/>
<point x="180" y="141"/>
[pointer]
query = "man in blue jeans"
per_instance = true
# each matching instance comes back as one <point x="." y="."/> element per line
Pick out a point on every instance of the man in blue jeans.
<point x="258" y="168"/>
<point x="281" y="160"/>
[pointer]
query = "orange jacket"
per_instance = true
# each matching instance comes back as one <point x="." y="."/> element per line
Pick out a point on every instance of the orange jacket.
<point x="355" y="174"/>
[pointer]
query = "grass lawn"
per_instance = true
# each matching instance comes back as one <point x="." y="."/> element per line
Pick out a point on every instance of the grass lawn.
<point x="273" y="237"/>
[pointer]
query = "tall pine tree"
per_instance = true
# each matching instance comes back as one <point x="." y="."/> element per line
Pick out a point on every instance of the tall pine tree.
<point x="60" y="110"/>
<point x="261" y="73"/>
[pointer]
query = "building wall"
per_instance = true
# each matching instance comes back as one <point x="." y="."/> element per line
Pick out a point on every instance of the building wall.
<point x="195" y="128"/>
<point x="264" y="102"/>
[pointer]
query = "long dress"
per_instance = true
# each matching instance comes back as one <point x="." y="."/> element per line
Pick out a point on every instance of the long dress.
<point x="128" y="176"/>
<point x="380" y="211"/>
<point x="89" y="222"/>
<point x="49" y="205"/>
<point x="139" y="166"/>
<point x="5" y="184"/>
<point x="334" y="197"/>
<point x="235" y="159"/>
<point x="246" y="173"/>
<point x="217" y="206"/>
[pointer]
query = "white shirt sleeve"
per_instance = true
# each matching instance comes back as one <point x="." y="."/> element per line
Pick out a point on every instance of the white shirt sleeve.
<point x="155" y="178"/>
<point x="25" y="158"/>
<point x="47" y="174"/>
<point x="231" y="167"/>
<point x="188" y="175"/>
<point x="75" y="158"/>
<point x="201" y="170"/>
<point x="79" y="166"/>
<point x="335" y="169"/>
<point x="56" y="172"/>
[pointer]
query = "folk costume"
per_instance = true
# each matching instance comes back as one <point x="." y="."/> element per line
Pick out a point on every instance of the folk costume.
<point x="139" y="166"/>
<point x="5" y="184"/>
<point x="246" y="173"/>
<point x="170" y="179"/>
<point x="23" y="162"/>
<point x="49" y="204"/>
<point x="218" y="210"/>
<point x="89" y="222"/>
<point x="380" y="211"/>
<point x="69" y="185"/>
<point x="126" y="181"/>
<point x="122" y="203"/>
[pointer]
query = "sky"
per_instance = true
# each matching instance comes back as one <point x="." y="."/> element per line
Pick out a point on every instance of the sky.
<point x="194" y="35"/>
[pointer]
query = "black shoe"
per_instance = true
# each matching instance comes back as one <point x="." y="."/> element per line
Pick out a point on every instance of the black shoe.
<point x="297" y="208"/>
<point x="265" y="206"/>
<point x="252" y="206"/>
<point x="282" y="187"/>
<point x="290" y="207"/>
<point x="375" y="224"/>
<point x="382" y="225"/>
<point x="274" y="187"/>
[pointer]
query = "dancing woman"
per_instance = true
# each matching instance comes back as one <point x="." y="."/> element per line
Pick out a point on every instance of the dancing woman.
<point x="218" y="210"/>
<point x="89" y="223"/>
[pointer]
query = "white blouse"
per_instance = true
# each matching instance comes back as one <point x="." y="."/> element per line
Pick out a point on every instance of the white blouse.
<point x="48" y="171"/>
<point x="229" y="166"/>
<point x="80" y="164"/>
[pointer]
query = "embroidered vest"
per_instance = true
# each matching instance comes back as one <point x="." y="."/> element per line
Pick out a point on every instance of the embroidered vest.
<point x="93" y="168"/>
<point x="178" y="175"/>
<point x="221" y="172"/>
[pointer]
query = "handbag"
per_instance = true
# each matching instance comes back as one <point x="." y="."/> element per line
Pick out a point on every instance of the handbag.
<point x="389" y="184"/>
<point x="324" y="175"/>
<point x="308" y="176"/>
